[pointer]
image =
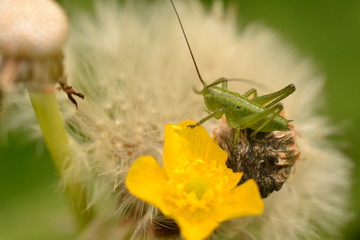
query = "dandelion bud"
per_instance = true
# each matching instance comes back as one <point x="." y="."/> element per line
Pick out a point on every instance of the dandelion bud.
<point x="32" y="28"/>
<point x="32" y="36"/>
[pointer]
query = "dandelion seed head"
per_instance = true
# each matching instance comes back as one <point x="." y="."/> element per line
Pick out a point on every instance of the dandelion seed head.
<point x="132" y="63"/>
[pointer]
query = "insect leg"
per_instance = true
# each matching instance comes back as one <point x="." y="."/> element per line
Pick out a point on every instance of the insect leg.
<point x="274" y="111"/>
<point x="251" y="91"/>
<point x="222" y="80"/>
<point x="245" y="122"/>
<point x="251" y="120"/>
<point x="70" y="91"/>
<point x="215" y="114"/>
<point x="224" y="84"/>
<point x="236" y="137"/>
<point x="271" y="99"/>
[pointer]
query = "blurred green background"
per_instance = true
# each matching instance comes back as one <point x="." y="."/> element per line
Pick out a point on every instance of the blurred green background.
<point x="328" y="32"/>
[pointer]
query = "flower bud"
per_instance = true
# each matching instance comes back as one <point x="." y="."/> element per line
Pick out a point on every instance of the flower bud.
<point x="32" y="29"/>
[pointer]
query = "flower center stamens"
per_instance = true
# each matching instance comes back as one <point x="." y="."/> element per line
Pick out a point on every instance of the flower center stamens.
<point x="198" y="186"/>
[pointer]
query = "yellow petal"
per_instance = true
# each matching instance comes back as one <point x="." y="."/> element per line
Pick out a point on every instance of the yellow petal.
<point x="184" y="144"/>
<point x="233" y="179"/>
<point x="242" y="201"/>
<point x="195" y="225"/>
<point x="146" y="180"/>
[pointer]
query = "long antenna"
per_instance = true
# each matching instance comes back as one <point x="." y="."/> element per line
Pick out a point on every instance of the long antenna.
<point x="188" y="44"/>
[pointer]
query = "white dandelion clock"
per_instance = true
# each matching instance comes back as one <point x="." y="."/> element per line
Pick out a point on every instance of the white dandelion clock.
<point x="132" y="64"/>
<point x="138" y="77"/>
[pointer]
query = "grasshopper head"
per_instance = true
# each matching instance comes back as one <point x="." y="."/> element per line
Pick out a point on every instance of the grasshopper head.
<point x="211" y="98"/>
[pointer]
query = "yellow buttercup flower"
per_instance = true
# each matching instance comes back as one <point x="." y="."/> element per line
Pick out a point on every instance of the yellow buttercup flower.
<point x="195" y="187"/>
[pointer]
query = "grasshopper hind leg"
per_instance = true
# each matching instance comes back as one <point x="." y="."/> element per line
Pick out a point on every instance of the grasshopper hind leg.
<point x="248" y="121"/>
<point x="270" y="100"/>
<point x="273" y="111"/>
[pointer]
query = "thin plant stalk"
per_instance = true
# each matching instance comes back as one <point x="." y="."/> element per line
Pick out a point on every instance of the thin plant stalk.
<point x="57" y="142"/>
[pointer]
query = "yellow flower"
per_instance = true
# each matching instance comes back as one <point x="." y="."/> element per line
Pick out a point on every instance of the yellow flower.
<point x="195" y="187"/>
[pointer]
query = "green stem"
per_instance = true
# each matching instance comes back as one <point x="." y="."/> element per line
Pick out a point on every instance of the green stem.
<point x="57" y="142"/>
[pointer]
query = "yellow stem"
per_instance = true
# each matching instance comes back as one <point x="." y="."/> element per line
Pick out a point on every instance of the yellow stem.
<point x="57" y="142"/>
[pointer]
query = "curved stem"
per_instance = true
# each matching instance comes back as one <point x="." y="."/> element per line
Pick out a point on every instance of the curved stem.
<point x="57" y="142"/>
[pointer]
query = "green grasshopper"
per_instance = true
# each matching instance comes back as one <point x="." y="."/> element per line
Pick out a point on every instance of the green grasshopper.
<point x="260" y="113"/>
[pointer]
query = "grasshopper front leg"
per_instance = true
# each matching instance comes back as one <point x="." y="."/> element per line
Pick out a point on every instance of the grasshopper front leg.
<point x="251" y="91"/>
<point x="224" y="84"/>
<point x="216" y="114"/>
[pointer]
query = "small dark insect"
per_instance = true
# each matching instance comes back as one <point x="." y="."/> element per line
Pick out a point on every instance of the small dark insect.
<point x="70" y="91"/>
